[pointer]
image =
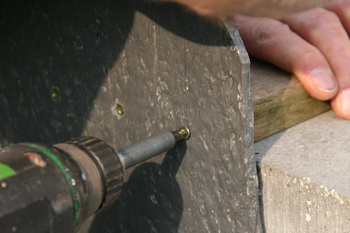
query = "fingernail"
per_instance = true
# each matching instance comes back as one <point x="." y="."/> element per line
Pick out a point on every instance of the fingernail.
<point x="344" y="100"/>
<point x="323" y="80"/>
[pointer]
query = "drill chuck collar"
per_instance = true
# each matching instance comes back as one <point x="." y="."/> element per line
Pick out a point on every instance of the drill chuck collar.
<point x="55" y="188"/>
<point x="109" y="164"/>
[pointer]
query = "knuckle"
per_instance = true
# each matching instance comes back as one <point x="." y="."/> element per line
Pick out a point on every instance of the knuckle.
<point x="270" y="31"/>
<point x="320" y="17"/>
<point x="338" y="5"/>
<point x="346" y="4"/>
<point x="310" y="60"/>
<point x="322" y="21"/>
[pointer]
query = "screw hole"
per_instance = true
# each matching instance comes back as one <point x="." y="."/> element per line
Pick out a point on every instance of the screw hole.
<point x="55" y="94"/>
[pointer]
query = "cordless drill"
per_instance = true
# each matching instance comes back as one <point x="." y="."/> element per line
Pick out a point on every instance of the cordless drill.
<point x="55" y="188"/>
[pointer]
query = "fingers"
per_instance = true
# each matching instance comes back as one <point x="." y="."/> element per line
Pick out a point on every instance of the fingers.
<point x="324" y="30"/>
<point x="342" y="10"/>
<point x="229" y="8"/>
<point x="273" y="41"/>
<point x="210" y="8"/>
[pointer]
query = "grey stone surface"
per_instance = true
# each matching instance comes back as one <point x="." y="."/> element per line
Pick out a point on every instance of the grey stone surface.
<point x="305" y="177"/>
<point x="120" y="71"/>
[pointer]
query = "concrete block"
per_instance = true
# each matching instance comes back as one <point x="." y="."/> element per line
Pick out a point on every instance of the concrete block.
<point x="304" y="174"/>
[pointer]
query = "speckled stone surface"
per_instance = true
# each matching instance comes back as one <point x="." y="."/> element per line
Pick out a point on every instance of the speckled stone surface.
<point x="120" y="71"/>
<point x="305" y="177"/>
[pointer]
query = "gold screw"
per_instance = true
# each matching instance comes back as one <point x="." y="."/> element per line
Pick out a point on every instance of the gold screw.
<point x="119" y="109"/>
<point x="183" y="133"/>
<point x="55" y="94"/>
<point x="186" y="132"/>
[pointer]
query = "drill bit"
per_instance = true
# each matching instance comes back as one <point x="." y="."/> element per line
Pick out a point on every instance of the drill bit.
<point x="152" y="146"/>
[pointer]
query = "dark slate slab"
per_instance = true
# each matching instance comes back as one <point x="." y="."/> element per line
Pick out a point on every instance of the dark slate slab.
<point x="122" y="70"/>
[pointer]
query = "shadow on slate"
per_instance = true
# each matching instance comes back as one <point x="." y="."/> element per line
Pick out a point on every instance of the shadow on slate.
<point x="151" y="200"/>
<point x="66" y="49"/>
<point x="192" y="27"/>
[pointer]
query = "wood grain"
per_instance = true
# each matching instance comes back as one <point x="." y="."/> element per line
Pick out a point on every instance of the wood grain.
<point x="279" y="100"/>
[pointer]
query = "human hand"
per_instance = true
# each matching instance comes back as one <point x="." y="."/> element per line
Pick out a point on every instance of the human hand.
<point x="229" y="8"/>
<point x="314" y="45"/>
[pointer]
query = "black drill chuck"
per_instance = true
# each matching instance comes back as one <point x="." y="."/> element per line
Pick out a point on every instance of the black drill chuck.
<point x="55" y="188"/>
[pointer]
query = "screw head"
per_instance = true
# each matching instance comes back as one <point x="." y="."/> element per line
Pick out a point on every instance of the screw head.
<point x="186" y="132"/>
<point x="183" y="133"/>
<point x="55" y="94"/>
<point x="119" y="109"/>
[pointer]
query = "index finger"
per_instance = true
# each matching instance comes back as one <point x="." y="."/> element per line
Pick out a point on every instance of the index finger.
<point x="324" y="30"/>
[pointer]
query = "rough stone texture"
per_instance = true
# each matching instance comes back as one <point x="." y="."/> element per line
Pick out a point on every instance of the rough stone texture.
<point x="304" y="177"/>
<point x="66" y="66"/>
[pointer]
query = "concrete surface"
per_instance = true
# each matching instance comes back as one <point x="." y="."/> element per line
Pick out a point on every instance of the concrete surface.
<point x="304" y="174"/>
